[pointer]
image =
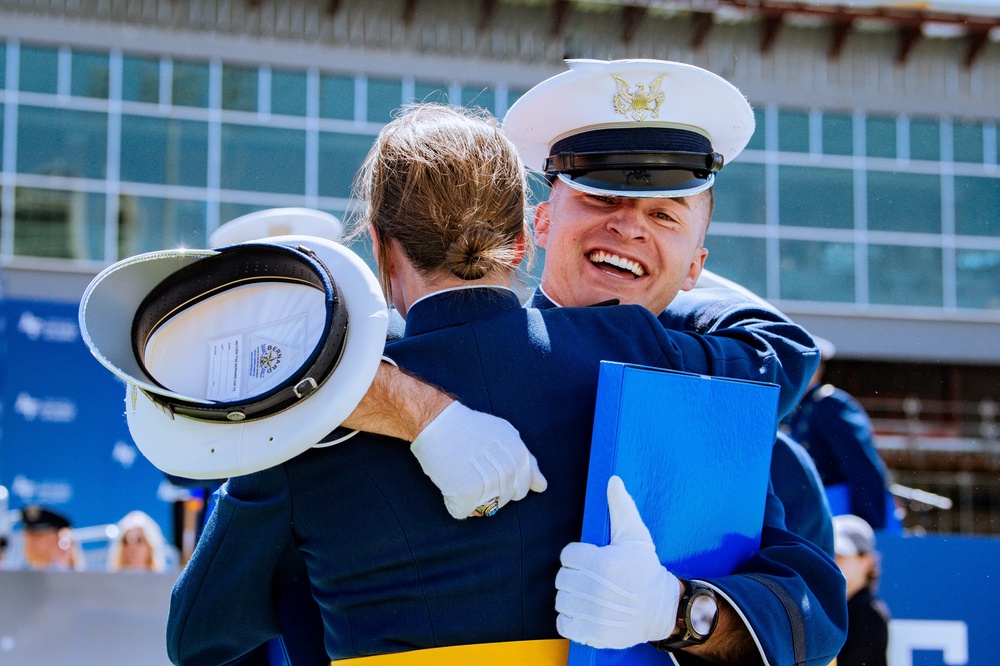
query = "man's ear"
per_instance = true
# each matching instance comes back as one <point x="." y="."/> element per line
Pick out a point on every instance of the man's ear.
<point x="543" y="216"/>
<point x="695" y="269"/>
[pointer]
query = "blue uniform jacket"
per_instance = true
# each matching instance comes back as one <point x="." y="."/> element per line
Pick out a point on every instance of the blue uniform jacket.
<point x="392" y="571"/>
<point x="838" y="434"/>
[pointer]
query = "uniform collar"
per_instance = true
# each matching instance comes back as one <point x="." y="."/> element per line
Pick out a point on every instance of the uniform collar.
<point x="454" y="307"/>
<point x="541" y="300"/>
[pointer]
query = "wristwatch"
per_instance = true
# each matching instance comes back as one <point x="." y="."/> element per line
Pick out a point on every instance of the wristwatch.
<point x="697" y="615"/>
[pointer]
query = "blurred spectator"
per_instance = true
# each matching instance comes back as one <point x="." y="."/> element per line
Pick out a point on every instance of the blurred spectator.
<point x="48" y="540"/>
<point x="838" y="434"/>
<point x="139" y="545"/>
<point x="867" y="615"/>
<point x="3" y="548"/>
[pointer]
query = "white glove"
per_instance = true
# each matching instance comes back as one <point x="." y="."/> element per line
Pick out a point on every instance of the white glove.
<point x="618" y="595"/>
<point x="475" y="458"/>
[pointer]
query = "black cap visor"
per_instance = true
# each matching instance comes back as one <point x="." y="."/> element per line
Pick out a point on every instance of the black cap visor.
<point x="651" y="162"/>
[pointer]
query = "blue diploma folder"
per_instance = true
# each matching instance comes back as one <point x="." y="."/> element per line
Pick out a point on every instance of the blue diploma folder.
<point x="695" y="454"/>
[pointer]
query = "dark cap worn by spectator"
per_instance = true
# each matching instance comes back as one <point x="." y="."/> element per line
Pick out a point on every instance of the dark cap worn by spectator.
<point x="41" y="518"/>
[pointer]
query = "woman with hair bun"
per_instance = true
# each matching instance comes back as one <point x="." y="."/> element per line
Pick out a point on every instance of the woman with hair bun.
<point x="442" y="194"/>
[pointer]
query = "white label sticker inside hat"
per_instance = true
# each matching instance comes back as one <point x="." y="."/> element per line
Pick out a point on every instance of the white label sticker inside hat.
<point x="224" y="369"/>
<point x="256" y="360"/>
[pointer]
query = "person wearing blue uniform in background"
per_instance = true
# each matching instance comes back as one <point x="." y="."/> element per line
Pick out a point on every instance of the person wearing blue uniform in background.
<point x="838" y="435"/>
<point x="391" y="569"/>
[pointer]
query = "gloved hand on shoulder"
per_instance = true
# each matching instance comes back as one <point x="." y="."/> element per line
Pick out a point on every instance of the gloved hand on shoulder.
<point x="476" y="458"/>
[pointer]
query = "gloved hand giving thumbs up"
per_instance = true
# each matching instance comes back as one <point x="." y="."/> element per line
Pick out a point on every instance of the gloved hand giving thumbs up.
<point x="618" y="595"/>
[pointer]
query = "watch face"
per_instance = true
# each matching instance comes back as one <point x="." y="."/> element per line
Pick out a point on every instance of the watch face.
<point x="703" y="610"/>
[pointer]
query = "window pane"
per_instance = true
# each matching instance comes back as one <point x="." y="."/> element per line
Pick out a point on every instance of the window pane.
<point x="904" y="275"/>
<point x="739" y="194"/>
<point x="817" y="271"/>
<point x="384" y="97"/>
<point x="57" y="223"/>
<point x="147" y="224"/>
<point x="757" y="139"/>
<point x="164" y="151"/>
<point x="60" y="142"/>
<point x="880" y="137"/>
<point x="89" y="77"/>
<point x="262" y="159"/>
<point x="977" y="206"/>
<point x="140" y="79"/>
<point x="340" y="157"/>
<point x="743" y="260"/>
<point x="793" y="131"/>
<point x="925" y="140"/>
<point x="288" y="93"/>
<point x="336" y="97"/>
<point x="190" y="84"/>
<point x="239" y="88"/>
<point x="904" y="202"/>
<point x="816" y="197"/>
<point x="230" y="211"/>
<point x="39" y="69"/>
<point x="968" y="139"/>
<point x="838" y="134"/>
<point x="482" y="96"/>
<point x="425" y="91"/>
<point x="978" y="279"/>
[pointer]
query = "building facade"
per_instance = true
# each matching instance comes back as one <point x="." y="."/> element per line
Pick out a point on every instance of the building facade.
<point x="867" y="205"/>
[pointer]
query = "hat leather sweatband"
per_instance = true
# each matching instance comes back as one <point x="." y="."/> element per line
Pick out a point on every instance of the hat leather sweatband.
<point x="287" y="333"/>
<point x="232" y="267"/>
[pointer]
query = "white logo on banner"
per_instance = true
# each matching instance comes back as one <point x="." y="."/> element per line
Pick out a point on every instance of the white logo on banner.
<point x="45" y="492"/>
<point x="48" y="410"/>
<point x="50" y="330"/>
<point x="124" y="454"/>
<point x="950" y="637"/>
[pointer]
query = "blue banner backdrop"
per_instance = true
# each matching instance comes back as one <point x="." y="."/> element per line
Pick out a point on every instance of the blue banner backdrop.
<point x="942" y="594"/>
<point x="64" y="440"/>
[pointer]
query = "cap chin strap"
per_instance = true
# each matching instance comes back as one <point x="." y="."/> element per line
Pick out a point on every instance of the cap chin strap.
<point x="232" y="267"/>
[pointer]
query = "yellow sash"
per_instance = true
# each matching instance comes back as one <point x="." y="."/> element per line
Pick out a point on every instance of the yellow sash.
<point x="552" y="652"/>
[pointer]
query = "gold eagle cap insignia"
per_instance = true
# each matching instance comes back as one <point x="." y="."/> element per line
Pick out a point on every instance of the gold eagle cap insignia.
<point x="639" y="103"/>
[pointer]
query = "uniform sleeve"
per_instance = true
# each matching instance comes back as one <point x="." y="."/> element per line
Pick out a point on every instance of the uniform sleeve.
<point x="222" y="605"/>
<point x="791" y="596"/>
<point x="746" y="339"/>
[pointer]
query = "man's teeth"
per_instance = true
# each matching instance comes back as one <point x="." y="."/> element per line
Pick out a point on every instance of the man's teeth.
<point x="601" y="257"/>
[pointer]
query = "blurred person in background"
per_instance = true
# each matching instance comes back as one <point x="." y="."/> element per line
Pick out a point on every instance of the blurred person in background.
<point x="139" y="545"/>
<point x="838" y="434"/>
<point x="48" y="540"/>
<point x="867" y="614"/>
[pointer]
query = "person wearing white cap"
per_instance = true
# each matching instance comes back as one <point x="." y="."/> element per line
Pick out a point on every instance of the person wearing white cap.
<point x="867" y="615"/>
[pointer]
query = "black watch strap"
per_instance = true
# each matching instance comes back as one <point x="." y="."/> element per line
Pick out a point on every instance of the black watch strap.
<point x="688" y="634"/>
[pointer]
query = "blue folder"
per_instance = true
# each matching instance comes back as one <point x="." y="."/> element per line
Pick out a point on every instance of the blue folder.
<point x="695" y="454"/>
